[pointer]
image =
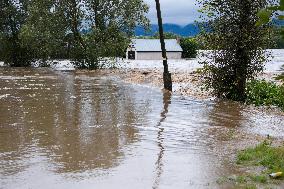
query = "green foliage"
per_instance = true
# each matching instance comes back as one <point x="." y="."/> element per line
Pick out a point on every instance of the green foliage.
<point x="44" y="30"/>
<point x="250" y="187"/>
<point x="237" y="45"/>
<point x="263" y="155"/>
<point x="167" y="35"/>
<point x="13" y="15"/>
<point x="265" y="14"/>
<point x="278" y="37"/>
<point x="259" y="178"/>
<point x="265" y="93"/>
<point x="50" y="29"/>
<point x="189" y="47"/>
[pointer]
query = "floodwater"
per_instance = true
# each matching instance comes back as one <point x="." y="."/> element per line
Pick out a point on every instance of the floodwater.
<point x="73" y="130"/>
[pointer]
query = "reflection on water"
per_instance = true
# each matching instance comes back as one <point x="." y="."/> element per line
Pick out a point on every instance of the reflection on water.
<point x="60" y="115"/>
<point x="159" y="164"/>
<point x="87" y="130"/>
<point x="226" y="114"/>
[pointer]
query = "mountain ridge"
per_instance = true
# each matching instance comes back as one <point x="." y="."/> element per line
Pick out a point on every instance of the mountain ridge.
<point x="185" y="31"/>
<point x="189" y="30"/>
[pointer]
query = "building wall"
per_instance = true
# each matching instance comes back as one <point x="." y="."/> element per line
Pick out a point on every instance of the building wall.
<point x="157" y="55"/>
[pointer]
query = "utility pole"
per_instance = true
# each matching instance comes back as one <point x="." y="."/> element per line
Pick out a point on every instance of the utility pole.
<point x="166" y="75"/>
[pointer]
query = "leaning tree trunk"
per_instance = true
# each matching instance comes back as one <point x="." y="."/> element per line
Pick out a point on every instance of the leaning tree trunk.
<point x="166" y="75"/>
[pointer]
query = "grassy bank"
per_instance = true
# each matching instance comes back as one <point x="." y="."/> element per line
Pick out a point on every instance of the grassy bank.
<point x="259" y="161"/>
<point x="264" y="154"/>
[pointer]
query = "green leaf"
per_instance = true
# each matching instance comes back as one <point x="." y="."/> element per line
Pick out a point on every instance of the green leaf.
<point x="264" y="16"/>
<point x="281" y="4"/>
<point x="273" y="8"/>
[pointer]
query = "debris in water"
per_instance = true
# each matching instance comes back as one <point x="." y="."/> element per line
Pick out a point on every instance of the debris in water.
<point x="276" y="175"/>
<point x="95" y="126"/>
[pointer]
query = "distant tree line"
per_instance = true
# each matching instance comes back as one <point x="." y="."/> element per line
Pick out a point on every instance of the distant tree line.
<point x="51" y="29"/>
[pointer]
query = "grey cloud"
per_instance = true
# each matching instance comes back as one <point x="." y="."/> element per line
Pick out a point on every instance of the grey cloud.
<point x="175" y="11"/>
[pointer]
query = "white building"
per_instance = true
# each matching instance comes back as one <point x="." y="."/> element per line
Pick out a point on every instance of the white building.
<point x="150" y="49"/>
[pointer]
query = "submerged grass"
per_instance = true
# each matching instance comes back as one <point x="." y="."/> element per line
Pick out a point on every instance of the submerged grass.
<point x="263" y="155"/>
<point x="263" y="93"/>
<point x="280" y="77"/>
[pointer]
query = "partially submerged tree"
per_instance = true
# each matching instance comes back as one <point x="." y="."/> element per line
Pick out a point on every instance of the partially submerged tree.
<point x="82" y="30"/>
<point x="166" y="75"/>
<point x="238" y="45"/>
<point x="45" y="29"/>
<point x="13" y="14"/>
<point x="111" y="24"/>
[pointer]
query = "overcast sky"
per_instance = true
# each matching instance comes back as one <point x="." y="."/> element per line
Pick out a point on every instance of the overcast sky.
<point x="180" y="12"/>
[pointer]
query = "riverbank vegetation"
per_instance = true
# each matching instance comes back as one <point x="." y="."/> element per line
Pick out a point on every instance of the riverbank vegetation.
<point x="85" y="33"/>
<point x="76" y="30"/>
<point x="259" y="161"/>
<point x="238" y="45"/>
<point x="264" y="154"/>
<point x="263" y="93"/>
<point x="269" y="158"/>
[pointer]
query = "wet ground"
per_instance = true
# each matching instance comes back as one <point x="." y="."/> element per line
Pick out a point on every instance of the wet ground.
<point x="72" y="130"/>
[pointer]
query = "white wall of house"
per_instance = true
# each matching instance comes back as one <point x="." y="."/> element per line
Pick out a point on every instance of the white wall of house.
<point x="157" y="55"/>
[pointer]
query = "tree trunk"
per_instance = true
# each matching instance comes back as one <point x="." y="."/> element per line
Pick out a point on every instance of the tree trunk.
<point x="99" y="23"/>
<point x="166" y="75"/>
<point x="75" y="23"/>
<point x="242" y="51"/>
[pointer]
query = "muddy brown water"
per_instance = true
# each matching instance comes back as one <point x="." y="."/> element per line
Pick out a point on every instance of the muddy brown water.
<point x="72" y="130"/>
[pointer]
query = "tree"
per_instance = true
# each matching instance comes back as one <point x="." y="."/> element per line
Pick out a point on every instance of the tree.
<point x="189" y="47"/>
<point x="166" y="75"/>
<point x="13" y="15"/>
<point x="112" y="23"/>
<point x="238" y="45"/>
<point x="167" y="35"/>
<point x="45" y="29"/>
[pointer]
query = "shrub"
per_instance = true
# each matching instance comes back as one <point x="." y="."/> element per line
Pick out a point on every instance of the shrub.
<point x="189" y="47"/>
<point x="265" y="93"/>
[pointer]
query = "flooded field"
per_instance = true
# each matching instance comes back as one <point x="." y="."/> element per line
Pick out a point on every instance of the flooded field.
<point x="72" y="130"/>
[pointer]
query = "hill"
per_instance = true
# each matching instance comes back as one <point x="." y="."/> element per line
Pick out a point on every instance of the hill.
<point x="185" y="31"/>
<point x="188" y="30"/>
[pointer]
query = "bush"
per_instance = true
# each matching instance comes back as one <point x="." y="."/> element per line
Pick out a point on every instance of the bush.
<point x="13" y="53"/>
<point x="189" y="47"/>
<point x="265" y="93"/>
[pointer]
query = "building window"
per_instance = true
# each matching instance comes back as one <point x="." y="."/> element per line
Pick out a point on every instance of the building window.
<point x="131" y="55"/>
